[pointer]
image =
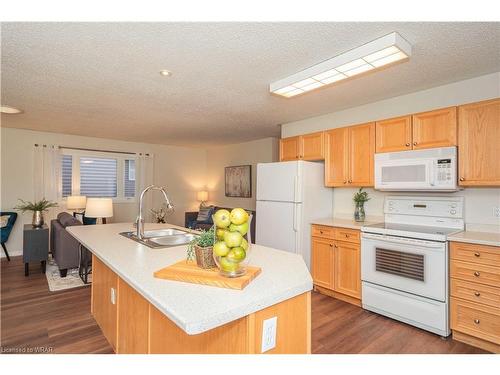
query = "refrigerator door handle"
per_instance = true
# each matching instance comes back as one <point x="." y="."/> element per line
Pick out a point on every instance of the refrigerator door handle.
<point x="296" y="189"/>
<point x="295" y="218"/>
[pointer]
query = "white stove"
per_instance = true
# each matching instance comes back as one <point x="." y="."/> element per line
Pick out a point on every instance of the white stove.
<point x="404" y="261"/>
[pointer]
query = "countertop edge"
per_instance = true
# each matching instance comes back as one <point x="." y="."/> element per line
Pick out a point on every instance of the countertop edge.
<point x="473" y="241"/>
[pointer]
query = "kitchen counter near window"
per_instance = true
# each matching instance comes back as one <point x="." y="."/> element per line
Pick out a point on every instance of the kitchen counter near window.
<point x="345" y="222"/>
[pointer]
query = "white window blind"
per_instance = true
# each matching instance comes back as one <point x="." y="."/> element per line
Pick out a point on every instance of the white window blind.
<point x="129" y="183"/>
<point x="98" y="177"/>
<point x="66" y="175"/>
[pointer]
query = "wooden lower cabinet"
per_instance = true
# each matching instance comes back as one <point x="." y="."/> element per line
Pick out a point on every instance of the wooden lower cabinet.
<point x="336" y="262"/>
<point x="132" y="325"/>
<point x="475" y="295"/>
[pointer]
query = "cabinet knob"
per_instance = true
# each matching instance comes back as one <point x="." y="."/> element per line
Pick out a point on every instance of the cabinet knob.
<point x="477" y="294"/>
<point x="345" y="182"/>
<point x="407" y="145"/>
<point x="346" y="236"/>
<point x="350" y="181"/>
<point x="477" y="255"/>
<point x="331" y="245"/>
<point x="477" y="274"/>
<point x="321" y="231"/>
<point x="477" y="321"/>
<point x="462" y="179"/>
<point x="414" y="143"/>
<point x="336" y="246"/>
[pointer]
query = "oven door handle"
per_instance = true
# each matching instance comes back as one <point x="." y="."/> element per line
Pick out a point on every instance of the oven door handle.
<point x="420" y="243"/>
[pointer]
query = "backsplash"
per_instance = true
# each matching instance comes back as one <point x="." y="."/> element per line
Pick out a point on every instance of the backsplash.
<point x="480" y="205"/>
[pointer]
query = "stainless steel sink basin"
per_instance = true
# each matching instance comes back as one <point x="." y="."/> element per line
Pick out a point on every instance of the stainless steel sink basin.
<point x="162" y="237"/>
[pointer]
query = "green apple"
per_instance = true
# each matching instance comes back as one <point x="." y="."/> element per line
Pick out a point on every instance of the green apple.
<point x="221" y="218"/>
<point x="220" y="233"/>
<point x="233" y="239"/>
<point x="242" y="228"/>
<point x="238" y="216"/>
<point x="236" y="254"/>
<point x="227" y="265"/>
<point x="244" y="244"/>
<point x="221" y="249"/>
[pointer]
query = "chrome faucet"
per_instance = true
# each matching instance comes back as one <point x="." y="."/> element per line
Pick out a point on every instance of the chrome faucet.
<point x="140" y="220"/>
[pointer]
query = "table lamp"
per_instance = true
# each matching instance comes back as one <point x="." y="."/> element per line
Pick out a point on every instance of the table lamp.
<point x="99" y="208"/>
<point x="76" y="203"/>
<point x="202" y="196"/>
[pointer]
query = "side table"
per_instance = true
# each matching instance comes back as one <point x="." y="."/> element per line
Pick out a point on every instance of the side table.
<point x="35" y="246"/>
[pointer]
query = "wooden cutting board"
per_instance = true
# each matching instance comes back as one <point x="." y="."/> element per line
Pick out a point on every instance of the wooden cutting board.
<point x="189" y="272"/>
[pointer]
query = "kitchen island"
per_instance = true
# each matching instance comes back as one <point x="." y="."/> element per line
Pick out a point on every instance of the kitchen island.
<point x="139" y="313"/>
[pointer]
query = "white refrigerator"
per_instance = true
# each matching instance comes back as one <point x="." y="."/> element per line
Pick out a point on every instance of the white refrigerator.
<point x="289" y="196"/>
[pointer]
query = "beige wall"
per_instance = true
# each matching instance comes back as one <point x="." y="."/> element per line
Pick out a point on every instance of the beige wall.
<point x="180" y="169"/>
<point x="480" y="202"/>
<point x="260" y="151"/>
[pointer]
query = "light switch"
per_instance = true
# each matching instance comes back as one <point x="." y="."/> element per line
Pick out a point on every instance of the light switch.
<point x="269" y="327"/>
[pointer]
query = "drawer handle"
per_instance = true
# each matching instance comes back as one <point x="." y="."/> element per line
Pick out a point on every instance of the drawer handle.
<point x="477" y="321"/>
<point x="477" y="255"/>
<point x="407" y="145"/>
<point x="477" y="274"/>
<point x="321" y="231"/>
<point x="346" y="236"/>
<point x="477" y="294"/>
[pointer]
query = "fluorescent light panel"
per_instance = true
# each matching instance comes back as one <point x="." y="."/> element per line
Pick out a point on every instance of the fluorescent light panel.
<point x="373" y="55"/>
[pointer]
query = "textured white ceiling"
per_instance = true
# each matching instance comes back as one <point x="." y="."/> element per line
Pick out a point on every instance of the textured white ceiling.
<point x="102" y="80"/>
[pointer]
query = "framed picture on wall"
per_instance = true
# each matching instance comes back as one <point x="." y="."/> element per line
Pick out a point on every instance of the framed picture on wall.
<point x="239" y="181"/>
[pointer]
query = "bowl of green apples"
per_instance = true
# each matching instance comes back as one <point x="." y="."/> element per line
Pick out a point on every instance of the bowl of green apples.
<point x="232" y="241"/>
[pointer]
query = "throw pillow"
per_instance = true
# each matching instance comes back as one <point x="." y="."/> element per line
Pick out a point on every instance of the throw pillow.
<point x="4" y="219"/>
<point x="205" y="215"/>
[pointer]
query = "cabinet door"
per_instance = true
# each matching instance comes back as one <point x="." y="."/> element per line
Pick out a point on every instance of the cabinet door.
<point x="347" y="269"/>
<point x="337" y="142"/>
<point x="479" y="143"/>
<point x="289" y="148"/>
<point x="322" y="262"/>
<point x="312" y="146"/>
<point x="104" y="299"/>
<point x="435" y="128"/>
<point x="393" y="134"/>
<point x="361" y="154"/>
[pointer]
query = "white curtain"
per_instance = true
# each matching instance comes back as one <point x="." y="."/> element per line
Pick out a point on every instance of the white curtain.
<point x="47" y="176"/>
<point x="144" y="178"/>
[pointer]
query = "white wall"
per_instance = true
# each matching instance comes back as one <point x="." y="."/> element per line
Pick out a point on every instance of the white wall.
<point x="259" y="151"/>
<point x="180" y="169"/>
<point x="480" y="202"/>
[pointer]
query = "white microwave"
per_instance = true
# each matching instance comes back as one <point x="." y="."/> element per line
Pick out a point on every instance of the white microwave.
<point x="434" y="169"/>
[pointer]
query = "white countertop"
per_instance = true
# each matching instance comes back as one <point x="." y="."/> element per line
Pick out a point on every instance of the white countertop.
<point x="344" y="222"/>
<point x="194" y="308"/>
<point x="480" y="238"/>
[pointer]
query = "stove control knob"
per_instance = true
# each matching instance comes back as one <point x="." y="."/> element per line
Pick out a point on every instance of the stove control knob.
<point x="453" y="212"/>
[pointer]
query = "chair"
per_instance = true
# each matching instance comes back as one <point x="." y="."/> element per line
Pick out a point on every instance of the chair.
<point x="7" y="229"/>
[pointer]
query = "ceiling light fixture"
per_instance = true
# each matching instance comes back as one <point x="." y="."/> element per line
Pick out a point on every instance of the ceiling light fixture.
<point x="165" y="73"/>
<point x="381" y="52"/>
<point x="10" y="110"/>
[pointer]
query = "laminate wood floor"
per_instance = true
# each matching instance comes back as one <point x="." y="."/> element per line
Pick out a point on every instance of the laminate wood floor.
<point x="34" y="319"/>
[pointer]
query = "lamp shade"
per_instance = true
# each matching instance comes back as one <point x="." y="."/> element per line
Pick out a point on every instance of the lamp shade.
<point x="99" y="207"/>
<point x="76" y="202"/>
<point x="202" y="196"/>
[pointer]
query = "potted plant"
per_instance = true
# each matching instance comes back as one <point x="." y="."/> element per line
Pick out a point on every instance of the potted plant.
<point x="38" y="207"/>
<point x="359" y="199"/>
<point x="201" y="248"/>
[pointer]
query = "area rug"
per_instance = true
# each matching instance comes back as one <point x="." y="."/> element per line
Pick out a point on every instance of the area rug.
<point x="56" y="282"/>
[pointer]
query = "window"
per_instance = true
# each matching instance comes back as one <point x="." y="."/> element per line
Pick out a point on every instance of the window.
<point x="98" y="174"/>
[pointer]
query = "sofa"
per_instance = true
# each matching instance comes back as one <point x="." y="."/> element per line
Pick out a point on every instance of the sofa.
<point x="64" y="247"/>
<point x="190" y="221"/>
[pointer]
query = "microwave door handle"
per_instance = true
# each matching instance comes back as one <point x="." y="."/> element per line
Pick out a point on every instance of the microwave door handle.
<point x="432" y="171"/>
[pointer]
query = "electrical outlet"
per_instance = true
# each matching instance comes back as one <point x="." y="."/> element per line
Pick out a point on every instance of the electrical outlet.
<point x="269" y="327"/>
<point x="497" y="211"/>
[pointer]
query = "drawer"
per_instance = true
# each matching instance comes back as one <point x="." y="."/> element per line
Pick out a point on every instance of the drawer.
<point x="477" y="273"/>
<point x="481" y="254"/>
<point x="475" y="292"/>
<point x="348" y="235"/>
<point x="475" y="320"/>
<point x="323" y="231"/>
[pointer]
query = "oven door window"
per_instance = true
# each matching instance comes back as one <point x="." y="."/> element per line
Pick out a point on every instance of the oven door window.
<point x="400" y="263"/>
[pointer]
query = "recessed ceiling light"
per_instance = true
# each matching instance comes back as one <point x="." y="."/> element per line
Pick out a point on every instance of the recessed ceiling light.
<point x="371" y="56"/>
<point x="10" y="110"/>
<point x="165" y="73"/>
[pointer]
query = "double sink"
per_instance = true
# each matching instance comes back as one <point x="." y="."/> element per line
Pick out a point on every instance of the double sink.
<point x="161" y="238"/>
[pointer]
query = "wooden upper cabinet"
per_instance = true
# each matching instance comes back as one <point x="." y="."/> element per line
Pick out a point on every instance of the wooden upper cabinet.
<point x="393" y="135"/>
<point x="479" y="143"/>
<point x="347" y="269"/>
<point x="289" y="148"/>
<point x="361" y="154"/>
<point x="435" y="128"/>
<point x="322" y="262"/>
<point x="336" y="159"/>
<point x="312" y="146"/>
<point x="303" y="147"/>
